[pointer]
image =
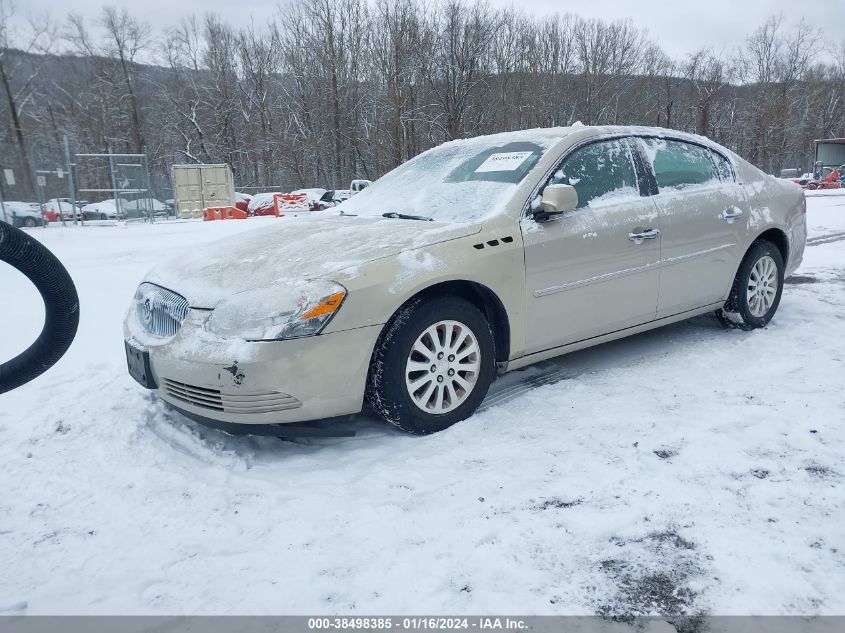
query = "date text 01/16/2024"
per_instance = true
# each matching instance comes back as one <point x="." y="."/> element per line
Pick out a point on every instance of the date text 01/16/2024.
<point x="417" y="623"/>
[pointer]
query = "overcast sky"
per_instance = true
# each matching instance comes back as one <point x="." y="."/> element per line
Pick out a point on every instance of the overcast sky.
<point x="679" y="26"/>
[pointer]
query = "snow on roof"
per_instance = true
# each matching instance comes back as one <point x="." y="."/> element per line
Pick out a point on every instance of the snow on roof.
<point x="541" y="135"/>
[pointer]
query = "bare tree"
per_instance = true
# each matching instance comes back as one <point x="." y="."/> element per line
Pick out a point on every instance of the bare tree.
<point x="705" y="72"/>
<point x="459" y="66"/>
<point x="19" y="82"/>
<point x="127" y="38"/>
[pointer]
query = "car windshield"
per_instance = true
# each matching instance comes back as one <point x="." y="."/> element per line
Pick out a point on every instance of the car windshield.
<point x="459" y="181"/>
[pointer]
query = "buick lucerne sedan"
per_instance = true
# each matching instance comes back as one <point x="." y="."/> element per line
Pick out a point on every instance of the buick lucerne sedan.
<point x="477" y="257"/>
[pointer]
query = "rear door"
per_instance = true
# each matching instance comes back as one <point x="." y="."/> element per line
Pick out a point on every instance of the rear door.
<point x="593" y="270"/>
<point x="703" y="222"/>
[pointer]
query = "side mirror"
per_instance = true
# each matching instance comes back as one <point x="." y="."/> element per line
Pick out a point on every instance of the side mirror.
<point x="558" y="199"/>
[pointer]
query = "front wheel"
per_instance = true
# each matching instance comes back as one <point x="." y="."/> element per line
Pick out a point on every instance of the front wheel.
<point x="757" y="288"/>
<point x="29" y="222"/>
<point x="432" y="365"/>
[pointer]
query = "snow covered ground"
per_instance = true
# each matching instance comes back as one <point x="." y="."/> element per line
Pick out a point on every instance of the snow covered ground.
<point x="690" y="469"/>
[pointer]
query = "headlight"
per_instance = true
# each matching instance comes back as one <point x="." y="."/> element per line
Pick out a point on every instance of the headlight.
<point x="278" y="312"/>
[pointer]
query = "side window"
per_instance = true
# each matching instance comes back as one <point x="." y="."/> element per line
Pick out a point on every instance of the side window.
<point x="600" y="172"/>
<point x="678" y="165"/>
<point x="723" y="167"/>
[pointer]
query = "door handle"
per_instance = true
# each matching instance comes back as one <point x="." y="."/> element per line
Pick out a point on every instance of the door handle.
<point x="730" y="214"/>
<point x="638" y="236"/>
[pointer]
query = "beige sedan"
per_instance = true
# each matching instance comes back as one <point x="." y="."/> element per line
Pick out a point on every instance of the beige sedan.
<point x="477" y="257"/>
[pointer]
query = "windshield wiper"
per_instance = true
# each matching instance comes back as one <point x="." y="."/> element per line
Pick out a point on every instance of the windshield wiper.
<point x="405" y="216"/>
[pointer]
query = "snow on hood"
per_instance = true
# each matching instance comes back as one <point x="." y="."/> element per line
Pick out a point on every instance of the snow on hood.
<point x="311" y="247"/>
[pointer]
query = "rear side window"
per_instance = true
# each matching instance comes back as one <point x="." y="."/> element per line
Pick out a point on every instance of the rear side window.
<point x="723" y="167"/>
<point x="679" y="165"/>
<point x="600" y="172"/>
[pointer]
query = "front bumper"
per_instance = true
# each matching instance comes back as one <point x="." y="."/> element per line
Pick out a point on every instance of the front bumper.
<point x="275" y="382"/>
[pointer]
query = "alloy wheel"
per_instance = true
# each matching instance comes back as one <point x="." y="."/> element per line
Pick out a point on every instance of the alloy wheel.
<point x="442" y="367"/>
<point x="762" y="286"/>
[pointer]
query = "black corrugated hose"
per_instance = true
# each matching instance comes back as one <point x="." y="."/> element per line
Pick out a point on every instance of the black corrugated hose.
<point x="61" y="305"/>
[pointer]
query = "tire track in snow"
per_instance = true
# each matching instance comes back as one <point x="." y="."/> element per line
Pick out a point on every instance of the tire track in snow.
<point x="826" y="239"/>
<point x="508" y="392"/>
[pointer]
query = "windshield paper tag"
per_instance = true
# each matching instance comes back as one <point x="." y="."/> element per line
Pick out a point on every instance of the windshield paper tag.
<point x="503" y="161"/>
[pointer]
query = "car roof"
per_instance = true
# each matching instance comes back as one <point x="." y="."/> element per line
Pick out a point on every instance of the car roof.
<point x="544" y="135"/>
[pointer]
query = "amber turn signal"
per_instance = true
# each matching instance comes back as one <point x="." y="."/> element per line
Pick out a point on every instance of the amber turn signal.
<point x="326" y="306"/>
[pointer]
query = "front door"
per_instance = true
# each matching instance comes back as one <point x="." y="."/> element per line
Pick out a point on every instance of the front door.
<point x="703" y="222"/>
<point x="592" y="271"/>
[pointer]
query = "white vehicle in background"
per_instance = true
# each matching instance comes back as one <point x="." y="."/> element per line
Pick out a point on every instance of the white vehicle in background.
<point x="106" y="210"/>
<point x="332" y="197"/>
<point x="21" y="214"/>
<point x="357" y="186"/>
<point x="311" y="199"/>
<point x="141" y="207"/>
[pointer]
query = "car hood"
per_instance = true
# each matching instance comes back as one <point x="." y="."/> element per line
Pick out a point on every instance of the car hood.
<point x="295" y="248"/>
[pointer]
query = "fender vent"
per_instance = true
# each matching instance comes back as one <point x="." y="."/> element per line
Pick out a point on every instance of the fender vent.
<point x="507" y="240"/>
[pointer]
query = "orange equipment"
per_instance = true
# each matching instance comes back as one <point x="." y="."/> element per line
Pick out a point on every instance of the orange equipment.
<point x="289" y="202"/>
<point x="223" y="213"/>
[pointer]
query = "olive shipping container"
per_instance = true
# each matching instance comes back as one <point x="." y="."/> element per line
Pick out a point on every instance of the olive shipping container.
<point x="198" y="187"/>
<point x="830" y="152"/>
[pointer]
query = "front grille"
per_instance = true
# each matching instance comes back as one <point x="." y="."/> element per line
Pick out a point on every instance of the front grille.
<point x="160" y="311"/>
<point x="217" y="400"/>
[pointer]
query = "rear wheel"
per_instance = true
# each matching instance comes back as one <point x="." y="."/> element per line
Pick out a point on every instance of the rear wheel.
<point x="29" y="222"/>
<point x="432" y="366"/>
<point x="756" y="291"/>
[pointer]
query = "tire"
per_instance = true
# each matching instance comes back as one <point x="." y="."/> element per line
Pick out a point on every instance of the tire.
<point x="29" y="222"/>
<point x="103" y="216"/>
<point x="398" y="365"/>
<point x="752" y="304"/>
<point x="61" y="306"/>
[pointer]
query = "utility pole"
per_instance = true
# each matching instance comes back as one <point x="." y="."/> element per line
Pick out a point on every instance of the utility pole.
<point x="146" y="183"/>
<point x="71" y="188"/>
<point x="113" y="171"/>
<point x="3" y="200"/>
